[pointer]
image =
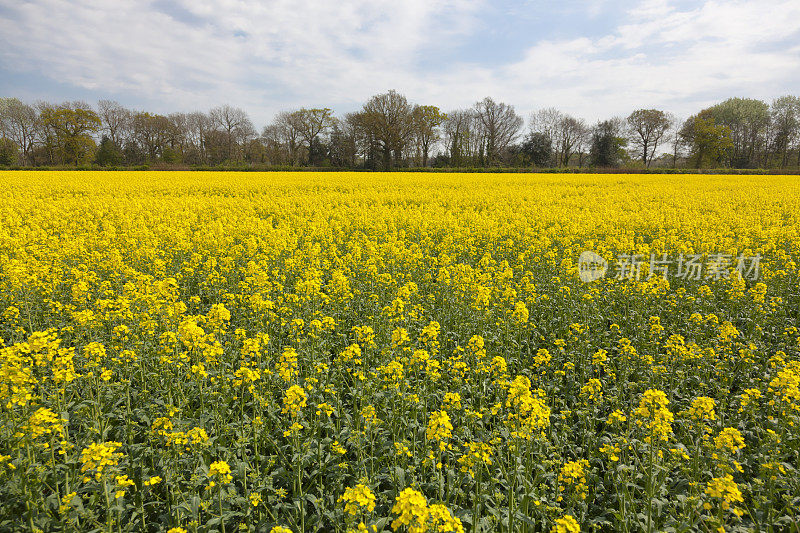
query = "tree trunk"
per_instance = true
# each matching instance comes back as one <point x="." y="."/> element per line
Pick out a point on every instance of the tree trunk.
<point x="387" y="157"/>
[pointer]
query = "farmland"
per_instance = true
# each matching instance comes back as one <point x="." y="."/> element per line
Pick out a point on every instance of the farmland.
<point x="398" y="352"/>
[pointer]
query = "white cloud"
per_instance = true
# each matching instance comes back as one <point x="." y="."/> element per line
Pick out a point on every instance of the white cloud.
<point x="678" y="60"/>
<point x="255" y="54"/>
<point x="267" y="56"/>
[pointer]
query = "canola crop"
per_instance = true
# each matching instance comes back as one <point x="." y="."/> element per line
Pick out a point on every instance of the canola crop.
<point x="298" y="352"/>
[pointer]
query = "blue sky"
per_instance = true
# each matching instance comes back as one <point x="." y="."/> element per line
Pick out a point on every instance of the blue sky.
<point x="593" y="59"/>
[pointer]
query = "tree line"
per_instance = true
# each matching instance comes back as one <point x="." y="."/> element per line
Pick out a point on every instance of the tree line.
<point x="391" y="132"/>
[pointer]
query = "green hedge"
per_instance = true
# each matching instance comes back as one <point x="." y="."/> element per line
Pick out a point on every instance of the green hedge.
<point x="584" y="170"/>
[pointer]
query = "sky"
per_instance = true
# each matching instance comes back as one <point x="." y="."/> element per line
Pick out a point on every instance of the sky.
<point x="594" y="59"/>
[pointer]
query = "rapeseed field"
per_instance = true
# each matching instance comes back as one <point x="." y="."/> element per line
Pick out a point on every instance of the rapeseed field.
<point x="301" y="352"/>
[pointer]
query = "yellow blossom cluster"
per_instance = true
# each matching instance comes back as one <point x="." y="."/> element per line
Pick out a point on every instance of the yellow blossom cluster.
<point x="358" y="499"/>
<point x="417" y="516"/>
<point x="653" y="415"/>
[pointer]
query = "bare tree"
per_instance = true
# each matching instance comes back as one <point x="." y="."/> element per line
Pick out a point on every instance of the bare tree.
<point x="198" y="128"/>
<point x="235" y="126"/>
<point x="181" y="136"/>
<point x="569" y="133"/>
<point x="367" y="145"/>
<point x="19" y="123"/>
<point x="116" y="121"/>
<point x="390" y="131"/>
<point x="456" y="129"/>
<point x="465" y="137"/>
<point x="271" y="139"/>
<point x="344" y="142"/>
<point x="583" y="143"/>
<point x="501" y="125"/>
<point x="283" y="134"/>
<point x="674" y="138"/>
<point x="152" y="133"/>
<point x="547" y="123"/>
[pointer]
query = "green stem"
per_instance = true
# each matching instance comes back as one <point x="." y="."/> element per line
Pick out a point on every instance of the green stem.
<point x="219" y="499"/>
<point x="476" y="505"/>
<point x="108" y="505"/>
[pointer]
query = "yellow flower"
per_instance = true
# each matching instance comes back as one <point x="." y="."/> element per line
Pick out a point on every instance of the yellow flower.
<point x="370" y="415"/>
<point x="401" y="450"/>
<point x="287" y="365"/>
<point x="786" y="389"/>
<point x="351" y="354"/>
<point x="365" y="336"/>
<point x="324" y="408"/>
<point x="566" y="524"/>
<point x="160" y="288"/>
<point x="612" y="451"/>
<point x="600" y="357"/>
<point x="529" y="415"/>
<point x="729" y="440"/>
<point x="520" y="314"/>
<point x="703" y="409"/>
<point x="219" y="471"/>
<point x="748" y="396"/>
<point x="294" y="400"/>
<point x="293" y="430"/>
<point x="452" y="400"/>
<point x="197" y="436"/>
<point x="358" y="499"/>
<point x="400" y="337"/>
<point x="653" y="415"/>
<point x="66" y="502"/>
<point x="440" y="520"/>
<point x="44" y="422"/>
<point x="439" y="427"/>
<point x="124" y="481"/>
<point x="478" y="454"/>
<point x="616" y="417"/>
<point x="245" y="375"/>
<point x="572" y="478"/>
<point x="411" y="509"/>
<point x="726" y="490"/>
<point x="542" y="357"/>
<point x="99" y="456"/>
<point x="593" y="390"/>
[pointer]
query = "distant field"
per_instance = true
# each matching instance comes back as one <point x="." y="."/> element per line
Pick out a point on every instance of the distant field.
<point x="398" y="352"/>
